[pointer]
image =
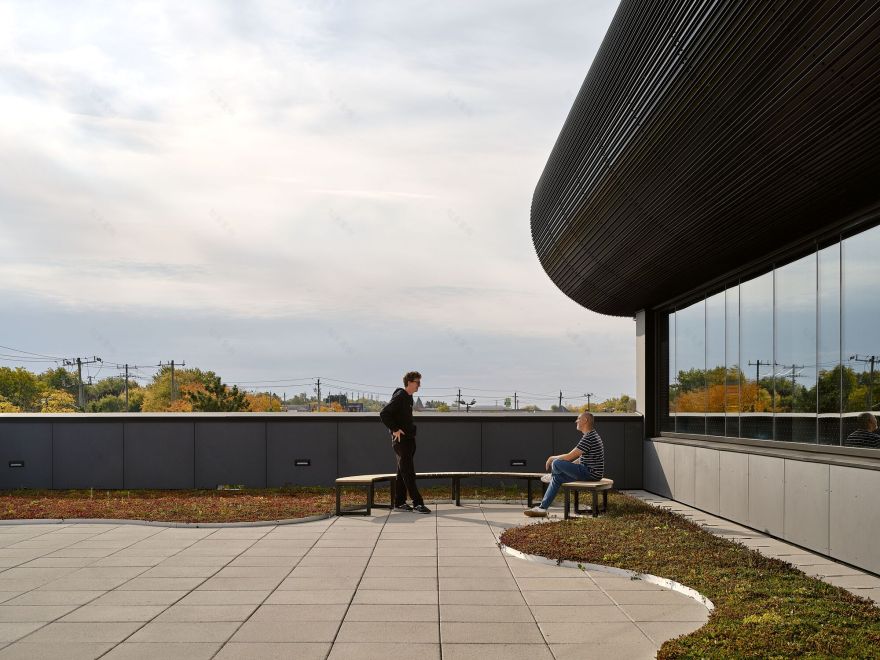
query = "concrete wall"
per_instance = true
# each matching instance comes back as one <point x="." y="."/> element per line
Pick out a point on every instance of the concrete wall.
<point x="202" y="450"/>
<point x="818" y="504"/>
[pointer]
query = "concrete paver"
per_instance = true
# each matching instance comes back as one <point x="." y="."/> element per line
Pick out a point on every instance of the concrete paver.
<point x="391" y="584"/>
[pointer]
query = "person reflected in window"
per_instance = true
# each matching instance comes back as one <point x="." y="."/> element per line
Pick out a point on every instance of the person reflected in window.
<point x="866" y="435"/>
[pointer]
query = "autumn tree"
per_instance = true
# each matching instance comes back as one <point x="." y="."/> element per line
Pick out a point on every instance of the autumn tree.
<point x="57" y="401"/>
<point x="217" y="397"/>
<point x="263" y="402"/>
<point x="157" y="395"/>
<point x="21" y="388"/>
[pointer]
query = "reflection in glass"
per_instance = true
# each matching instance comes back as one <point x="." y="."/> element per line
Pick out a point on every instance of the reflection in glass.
<point x="715" y="366"/>
<point x="828" y="346"/>
<point x="667" y="420"/>
<point x="795" y="367"/>
<point x="861" y="337"/>
<point x="690" y="364"/>
<point x="733" y="373"/>
<point x="756" y="357"/>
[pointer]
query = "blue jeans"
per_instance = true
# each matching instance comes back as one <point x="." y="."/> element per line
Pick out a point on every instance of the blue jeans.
<point x="564" y="471"/>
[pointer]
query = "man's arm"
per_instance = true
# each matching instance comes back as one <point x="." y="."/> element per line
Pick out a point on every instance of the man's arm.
<point x="571" y="456"/>
<point x="389" y="414"/>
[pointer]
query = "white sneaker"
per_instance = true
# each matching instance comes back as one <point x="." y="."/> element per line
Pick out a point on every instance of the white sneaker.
<point x="536" y="512"/>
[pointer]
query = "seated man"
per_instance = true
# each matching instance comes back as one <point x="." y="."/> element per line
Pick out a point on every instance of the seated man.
<point x="586" y="462"/>
<point x="866" y="435"/>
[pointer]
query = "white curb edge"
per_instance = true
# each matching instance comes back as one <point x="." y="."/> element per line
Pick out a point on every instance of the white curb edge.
<point x="155" y="523"/>
<point x="622" y="572"/>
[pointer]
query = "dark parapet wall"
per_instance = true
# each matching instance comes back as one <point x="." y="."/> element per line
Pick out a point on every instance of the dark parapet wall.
<point x="706" y="136"/>
<point x="204" y="450"/>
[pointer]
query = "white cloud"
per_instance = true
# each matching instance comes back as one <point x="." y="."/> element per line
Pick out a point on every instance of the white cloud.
<point x="354" y="163"/>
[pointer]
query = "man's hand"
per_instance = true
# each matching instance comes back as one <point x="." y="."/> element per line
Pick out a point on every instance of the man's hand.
<point x="396" y="435"/>
<point x="549" y="461"/>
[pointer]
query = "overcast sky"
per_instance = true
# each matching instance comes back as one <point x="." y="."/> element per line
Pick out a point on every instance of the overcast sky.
<point x="283" y="190"/>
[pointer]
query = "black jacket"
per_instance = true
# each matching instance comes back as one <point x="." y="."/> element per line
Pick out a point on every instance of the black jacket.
<point x="397" y="414"/>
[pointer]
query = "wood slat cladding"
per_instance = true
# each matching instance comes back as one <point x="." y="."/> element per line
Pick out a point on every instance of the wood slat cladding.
<point x="707" y="134"/>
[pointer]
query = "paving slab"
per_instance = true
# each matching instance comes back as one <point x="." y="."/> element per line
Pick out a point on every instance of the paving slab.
<point x="392" y="584"/>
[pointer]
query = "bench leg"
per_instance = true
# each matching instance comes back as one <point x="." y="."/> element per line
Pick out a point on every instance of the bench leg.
<point x="370" y="495"/>
<point x="531" y="499"/>
<point x="595" y="504"/>
<point x="456" y="487"/>
<point x="567" y="507"/>
<point x="604" y="501"/>
<point x="577" y="501"/>
<point x="338" y="500"/>
<point x="392" y="493"/>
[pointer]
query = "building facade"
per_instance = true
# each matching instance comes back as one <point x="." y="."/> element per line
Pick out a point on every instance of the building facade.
<point x="718" y="179"/>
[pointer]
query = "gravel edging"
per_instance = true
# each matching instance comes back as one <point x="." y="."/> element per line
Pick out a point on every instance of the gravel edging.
<point x="155" y="523"/>
<point x="666" y="583"/>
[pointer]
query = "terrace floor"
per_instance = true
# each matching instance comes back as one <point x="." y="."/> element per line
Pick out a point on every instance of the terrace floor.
<point x="389" y="585"/>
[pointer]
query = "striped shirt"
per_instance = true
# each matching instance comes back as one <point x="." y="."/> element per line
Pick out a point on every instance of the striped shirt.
<point x="863" y="438"/>
<point x="593" y="457"/>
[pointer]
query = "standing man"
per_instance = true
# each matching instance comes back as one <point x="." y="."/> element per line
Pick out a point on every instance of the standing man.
<point x="397" y="415"/>
<point x="586" y="462"/>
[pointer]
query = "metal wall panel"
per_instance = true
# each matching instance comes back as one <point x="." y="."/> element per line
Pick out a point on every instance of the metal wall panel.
<point x="314" y="442"/>
<point x="449" y="446"/>
<point x="855" y="516"/>
<point x="30" y="442"/>
<point x="733" y="493"/>
<point x="231" y="452"/>
<point x="634" y="439"/>
<point x="707" y="486"/>
<point x="159" y="454"/>
<point x="506" y="441"/>
<point x="807" y="504"/>
<point x="766" y="493"/>
<point x="659" y="461"/>
<point x="684" y="461"/>
<point x="365" y="448"/>
<point x="87" y="455"/>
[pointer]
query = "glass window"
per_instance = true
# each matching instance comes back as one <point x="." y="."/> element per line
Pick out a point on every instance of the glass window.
<point x="690" y="363"/>
<point x="715" y="365"/>
<point x="667" y="418"/>
<point x="734" y="375"/>
<point x="795" y="354"/>
<point x="828" y="346"/>
<point x="860" y="389"/>
<point x="756" y="357"/>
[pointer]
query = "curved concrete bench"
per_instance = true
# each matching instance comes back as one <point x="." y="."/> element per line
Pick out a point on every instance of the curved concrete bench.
<point x="370" y="481"/>
<point x="592" y="487"/>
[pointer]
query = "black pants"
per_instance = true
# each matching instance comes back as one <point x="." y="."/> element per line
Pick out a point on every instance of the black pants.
<point x="406" y="473"/>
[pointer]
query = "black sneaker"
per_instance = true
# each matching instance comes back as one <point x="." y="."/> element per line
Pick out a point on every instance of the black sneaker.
<point x="421" y="508"/>
<point x="403" y="507"/>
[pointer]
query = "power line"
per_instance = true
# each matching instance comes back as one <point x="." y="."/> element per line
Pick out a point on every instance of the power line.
<point x="18" y="350"/>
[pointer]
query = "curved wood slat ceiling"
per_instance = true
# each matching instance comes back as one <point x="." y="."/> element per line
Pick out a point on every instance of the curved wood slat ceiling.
<point x="706" y="134"/>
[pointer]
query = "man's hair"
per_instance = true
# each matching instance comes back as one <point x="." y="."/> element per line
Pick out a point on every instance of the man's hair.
<point x="866" y="421"/>
<point x="588" y="416"/>
<point x="410" y="376"/>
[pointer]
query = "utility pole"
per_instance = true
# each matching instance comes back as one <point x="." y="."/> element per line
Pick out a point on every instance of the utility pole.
<point x="870" y="359"/>
<point x="758" y="366"/>
<point x="318" y="409"/>
<point x="79" y="362"/>
<point x="589" y="395"/>
<point x="560" y="400"/>
<point x="794" y="376"/>
<point x="173" y="382"/>
<point x="515" y="402"/>
<point x="458" y="401"/>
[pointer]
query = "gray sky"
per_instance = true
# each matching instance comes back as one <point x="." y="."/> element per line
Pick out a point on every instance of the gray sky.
<point x="284" y="190"/>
